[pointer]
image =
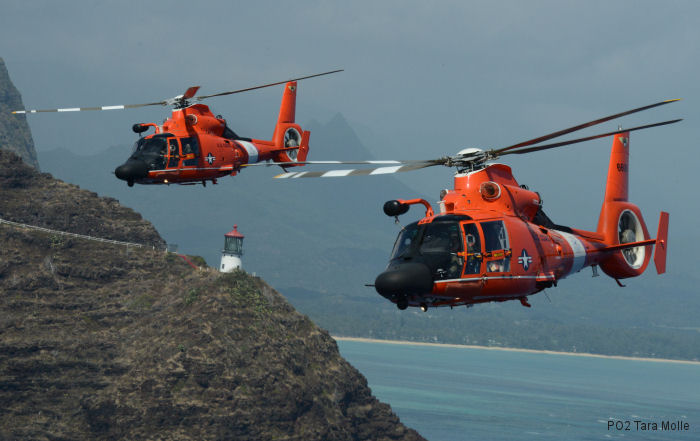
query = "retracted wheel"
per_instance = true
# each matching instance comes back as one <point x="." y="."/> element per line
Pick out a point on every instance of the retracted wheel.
<point x="402" y="302"/>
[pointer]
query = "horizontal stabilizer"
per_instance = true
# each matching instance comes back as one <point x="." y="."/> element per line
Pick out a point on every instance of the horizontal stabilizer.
<point x="624" y="246"/>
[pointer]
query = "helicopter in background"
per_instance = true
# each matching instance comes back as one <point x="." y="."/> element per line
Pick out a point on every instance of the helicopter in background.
<point x="490" y="239"/>
<point x="193" y="146"/>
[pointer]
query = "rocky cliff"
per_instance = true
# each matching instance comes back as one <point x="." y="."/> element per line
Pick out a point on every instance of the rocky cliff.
<point x="100" y="341"/>
<point x="14" y="130"/>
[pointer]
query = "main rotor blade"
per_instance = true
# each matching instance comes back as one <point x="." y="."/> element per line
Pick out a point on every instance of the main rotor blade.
<point x="81" y="109"/>
<point x="339" y="162"/>
<point x="356" y="172"/>
<point x="579" y="127"/>
<point x="200" y="98"/>
<point x="588" y="138"/>
<point x="189" y="94"/>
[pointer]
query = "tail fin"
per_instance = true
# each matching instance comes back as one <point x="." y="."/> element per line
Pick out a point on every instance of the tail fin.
<point x="289" y="138"/>
<point x="621" y="221"/>
<point x="289" y="102"/>
<point x="616" y="188"/>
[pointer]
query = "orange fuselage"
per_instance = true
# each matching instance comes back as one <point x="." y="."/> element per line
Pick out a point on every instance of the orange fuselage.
<point x="194" y="146"/>
<point x="491" y="241"/>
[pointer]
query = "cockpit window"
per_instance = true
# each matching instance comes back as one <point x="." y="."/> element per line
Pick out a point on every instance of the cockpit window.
<point x="174" y="153"/>
<point x="152" y="151"/>
<point x="407" y="237"/>
<point x="474" y="256"/>
<point x="154" y="145"/>
<point x="138" y="145"/>
<point x="441" y="247"/>
<point x="440" y="237"/>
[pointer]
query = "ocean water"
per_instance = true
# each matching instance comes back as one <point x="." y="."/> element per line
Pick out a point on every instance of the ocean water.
<point x="450" y="394"/>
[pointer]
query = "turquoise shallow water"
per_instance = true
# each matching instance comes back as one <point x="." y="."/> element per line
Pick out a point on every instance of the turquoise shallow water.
<point x="450" y="394"/>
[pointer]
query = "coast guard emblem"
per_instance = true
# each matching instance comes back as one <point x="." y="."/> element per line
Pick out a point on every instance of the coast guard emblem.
<point x="525" y="260"/>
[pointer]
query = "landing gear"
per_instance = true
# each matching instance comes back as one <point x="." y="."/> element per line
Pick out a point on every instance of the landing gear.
<point x="544" y="285"/>
<point x="423" y="307"/>
<point x="130" y="182"/>
<point x="402" y="302"/>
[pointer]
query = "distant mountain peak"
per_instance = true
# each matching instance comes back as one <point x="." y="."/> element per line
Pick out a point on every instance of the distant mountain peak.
<point x="336" y="140"/>
<point x="338" y="118"/>
<point x="14" y="130"/>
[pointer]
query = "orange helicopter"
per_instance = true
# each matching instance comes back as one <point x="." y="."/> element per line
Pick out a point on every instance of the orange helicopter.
<point x="194" y="146"/>
<point x="491" y="241"/>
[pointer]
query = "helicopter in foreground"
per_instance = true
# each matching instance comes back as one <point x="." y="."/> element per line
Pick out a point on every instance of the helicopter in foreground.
<point x="489" y="239"/>
<point x="193" y="146"/>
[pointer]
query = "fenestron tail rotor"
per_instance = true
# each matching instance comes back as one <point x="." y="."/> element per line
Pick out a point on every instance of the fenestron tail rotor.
<point x="179" y="102"/>
<point x="471" y="158"/>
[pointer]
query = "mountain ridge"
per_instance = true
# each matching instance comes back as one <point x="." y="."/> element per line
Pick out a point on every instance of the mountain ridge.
<point x="111" y="342"/>
<point x="14" y="130"/>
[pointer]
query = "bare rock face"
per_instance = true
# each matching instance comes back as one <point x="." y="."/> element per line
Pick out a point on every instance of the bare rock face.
<point x="14" y="130"/>
<point x="100" y="341"/>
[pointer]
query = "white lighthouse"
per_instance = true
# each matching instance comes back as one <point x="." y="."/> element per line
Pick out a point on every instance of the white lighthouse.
<point x="232" y="252"/>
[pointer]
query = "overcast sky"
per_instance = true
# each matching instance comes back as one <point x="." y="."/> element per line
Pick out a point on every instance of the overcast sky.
<point x="422" y="79"/>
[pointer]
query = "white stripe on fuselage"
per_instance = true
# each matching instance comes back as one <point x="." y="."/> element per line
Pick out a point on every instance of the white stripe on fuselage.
<point x="251" y="149"/>
<point x="578" y="249"/>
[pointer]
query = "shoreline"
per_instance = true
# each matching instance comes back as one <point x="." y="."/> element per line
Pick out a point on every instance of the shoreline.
<point x="495" y="348"/>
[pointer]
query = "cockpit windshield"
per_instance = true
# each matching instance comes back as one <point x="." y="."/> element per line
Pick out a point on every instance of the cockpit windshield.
<point x="152" y="150"/>
<point x="440" y="237"/>
<point x="407" y="237"/>
<point x="138" y="145"/>
<point x="441" y="249"/>
<point x="438" y="244"/>
<point x="150" y="145"/>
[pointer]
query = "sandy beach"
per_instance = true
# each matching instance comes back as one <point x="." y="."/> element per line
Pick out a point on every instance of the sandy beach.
<point x="534" y="351"/>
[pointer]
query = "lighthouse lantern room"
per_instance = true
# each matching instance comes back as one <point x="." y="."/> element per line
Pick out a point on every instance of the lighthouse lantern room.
<point x="232" y="252"/>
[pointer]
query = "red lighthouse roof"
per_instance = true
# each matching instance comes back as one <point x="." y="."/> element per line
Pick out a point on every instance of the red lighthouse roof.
<point x="234" y="233"/>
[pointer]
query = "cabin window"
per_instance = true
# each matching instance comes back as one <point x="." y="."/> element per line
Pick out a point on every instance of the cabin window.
<point x="173" y="153"/>
<point x="190" y="151"/>
<point x="496" y="248"/>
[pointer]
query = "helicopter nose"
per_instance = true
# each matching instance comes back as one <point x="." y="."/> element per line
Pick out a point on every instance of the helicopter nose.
<point x="403" y="279"/>
<point x="132" y="169"/>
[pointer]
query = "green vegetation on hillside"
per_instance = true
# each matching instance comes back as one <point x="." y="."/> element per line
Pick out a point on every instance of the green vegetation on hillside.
<point x="104" y="342"/>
